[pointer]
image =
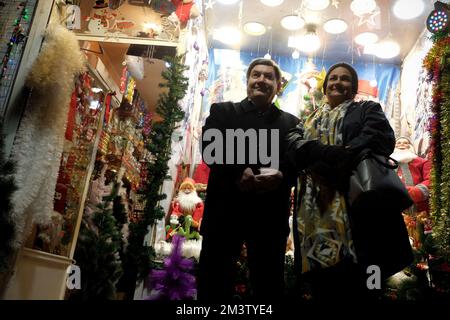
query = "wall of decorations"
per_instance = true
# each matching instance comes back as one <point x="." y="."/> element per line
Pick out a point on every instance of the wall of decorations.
<point x="15" y="22"/>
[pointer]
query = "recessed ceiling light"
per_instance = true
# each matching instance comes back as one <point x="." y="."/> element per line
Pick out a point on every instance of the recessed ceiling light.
<point x="317" y="5"/>
<point x="335" y="26"/>
<point x="228" y="1"/>
<point x="387" y="49"/>
<point x="272" y="3"/>
<point x="227" y="35"/>
<point x="292" y="22"/>
<point x="254" y="28"/>
<point x="361" y="7"/>
<point x="408" y="9"/>
<point x="366" y="38"/>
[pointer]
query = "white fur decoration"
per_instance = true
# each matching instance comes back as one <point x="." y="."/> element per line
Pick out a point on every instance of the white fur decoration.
<point x="39" y="141"/>
<point x="189" y="249"/>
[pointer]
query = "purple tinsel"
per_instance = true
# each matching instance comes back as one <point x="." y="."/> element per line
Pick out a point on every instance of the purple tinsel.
<point x="174" y="282"/>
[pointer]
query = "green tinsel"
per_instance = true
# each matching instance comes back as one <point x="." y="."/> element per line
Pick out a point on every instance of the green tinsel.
<point x="7" y="188"/>
<point x="438" y="66"/>
<point x="441" y="227"/>
<point x="439" y="35"/>
<point x="140" y="257"/>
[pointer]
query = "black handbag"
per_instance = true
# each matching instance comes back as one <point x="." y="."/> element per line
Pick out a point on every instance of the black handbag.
<point x="374" y="183"/>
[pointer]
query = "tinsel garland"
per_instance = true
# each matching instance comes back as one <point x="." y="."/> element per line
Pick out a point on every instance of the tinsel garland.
<point x="437" y="64"/>
<point x="39" y="140"/>
<point x="158" y="143"/>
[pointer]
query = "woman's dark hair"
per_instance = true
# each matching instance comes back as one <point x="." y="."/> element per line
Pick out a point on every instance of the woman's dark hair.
<point x="266" y="62"/>
<point x="350" y="69"/>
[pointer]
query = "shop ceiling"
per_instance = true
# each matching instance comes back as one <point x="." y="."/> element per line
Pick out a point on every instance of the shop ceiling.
<point x="382" y="22"/>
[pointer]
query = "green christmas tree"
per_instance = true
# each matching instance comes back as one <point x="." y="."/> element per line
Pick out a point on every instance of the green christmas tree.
<point x="7" y="188"/>
<point x="97" y="253"/>
<point x="158" y="143"/>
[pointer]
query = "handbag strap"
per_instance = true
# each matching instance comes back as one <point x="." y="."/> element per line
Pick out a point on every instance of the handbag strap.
<point x="385" y="161"/>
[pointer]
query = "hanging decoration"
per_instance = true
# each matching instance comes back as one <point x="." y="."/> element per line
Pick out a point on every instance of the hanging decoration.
<point x="368" y="18"/>
<point x="209" y="4"/>
<point x="39" y="141"/>
<point x="437" y="64"/>
<point x="158" y="144"/>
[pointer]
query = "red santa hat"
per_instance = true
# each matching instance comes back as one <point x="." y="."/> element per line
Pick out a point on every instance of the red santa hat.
<point x="186" y="182"/>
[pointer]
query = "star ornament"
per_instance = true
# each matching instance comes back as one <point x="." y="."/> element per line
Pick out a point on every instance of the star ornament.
<point x="368" y="18"/>
<point x="320" y="77"/>
<point x="209" y="4"/>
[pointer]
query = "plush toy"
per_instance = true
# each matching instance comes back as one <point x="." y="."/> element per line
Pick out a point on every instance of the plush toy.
<point x="186" y="231"/>
<point x="173" y="227"/>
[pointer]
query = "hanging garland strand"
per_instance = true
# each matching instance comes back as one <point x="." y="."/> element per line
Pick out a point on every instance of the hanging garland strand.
<point x="437" y="64"/>
<point x="159" y="145"/>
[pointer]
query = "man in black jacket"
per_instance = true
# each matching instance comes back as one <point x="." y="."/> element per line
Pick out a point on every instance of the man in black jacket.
<point x="248" y="194"/>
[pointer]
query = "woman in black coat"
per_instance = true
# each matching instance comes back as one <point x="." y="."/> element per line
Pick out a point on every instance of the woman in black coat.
<point x="343" y="254"/>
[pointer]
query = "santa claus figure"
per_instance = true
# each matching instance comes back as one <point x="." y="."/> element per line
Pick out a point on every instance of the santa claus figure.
<point x="185" y="10"/>
<point x="414" y="171"/>
<point x="188" y="202"/>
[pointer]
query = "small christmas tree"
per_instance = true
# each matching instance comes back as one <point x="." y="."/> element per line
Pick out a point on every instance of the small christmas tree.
<point x="97" y="253"/>
<point x="174" y="282"/>
<point x="7" y="188"/>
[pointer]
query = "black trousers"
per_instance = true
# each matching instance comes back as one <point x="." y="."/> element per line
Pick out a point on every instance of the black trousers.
<point x="218" y="264"/>
<point x="344" y="282"/>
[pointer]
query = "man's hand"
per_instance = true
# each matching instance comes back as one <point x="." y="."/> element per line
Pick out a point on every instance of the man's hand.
<point x="247" y="181"/>
<point x="268" y="180"/>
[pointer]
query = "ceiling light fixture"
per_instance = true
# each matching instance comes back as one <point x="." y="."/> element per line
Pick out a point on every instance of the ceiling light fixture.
<point x="292" y="22"/>
<point x="272" y="3"/>
<point x="366" y="38"/>
<point x="387" y="49"/>
<point x="335" y="26"/>
<point x="408" y="9"/>
<point x="310" y="42"/>
<point x="438" y="18"/>
<point x="227" y="35"/>
<point x="254" y="28"/>
<point x="316" y="5"/>
<point x="360" y="7"/>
